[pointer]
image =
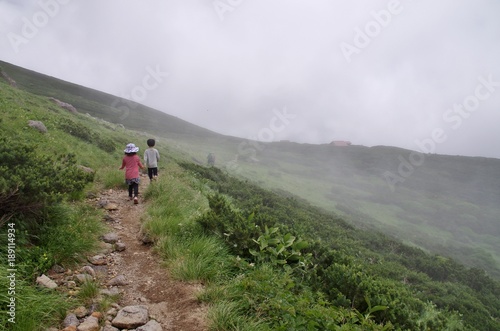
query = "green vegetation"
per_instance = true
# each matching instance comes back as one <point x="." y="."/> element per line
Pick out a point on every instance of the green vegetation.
<point x="101" y="105"/>
<point x="350" y="271"/>
<point x="190" y="254"/>
<point x="447" y="205"/>
<point x="289" y="265"/>
<point x="35" y="309"/>
<point x="269" y="259"/>
<point x="43" y="218"/>
<point x="89" y="290"/>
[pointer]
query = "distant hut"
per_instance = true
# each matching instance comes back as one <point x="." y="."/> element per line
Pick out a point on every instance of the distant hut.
<point x="340" y="143"/>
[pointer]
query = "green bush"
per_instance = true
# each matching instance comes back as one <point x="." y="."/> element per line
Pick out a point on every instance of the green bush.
<point x="279" y="249"/>
<point x="84" y="133"/>
<point x="278" y="300"/>
<point x="63" y="233"/>
<point x="76" y="130"/>
<point x="354" y="270"/>
<point x="236" y="229"/>
<point x="30" y="181"/>
<point x="105" y="145"/>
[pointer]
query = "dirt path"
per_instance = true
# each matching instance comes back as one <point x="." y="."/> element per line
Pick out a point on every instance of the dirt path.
<point x="172" y="303"/>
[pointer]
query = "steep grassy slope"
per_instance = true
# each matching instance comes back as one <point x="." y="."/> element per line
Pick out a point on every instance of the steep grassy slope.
<point x="343" y="267"/>
<point x="352" y="267"/>
<point x="445" y="204"/>
<point x="449" y="204"/>
<point x="102" y="105"/>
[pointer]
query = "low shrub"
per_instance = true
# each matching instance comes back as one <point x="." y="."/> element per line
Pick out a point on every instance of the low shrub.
<point x="234" y="227"/>
<point x="82" y="132"/>
<point x="30" y="181"/>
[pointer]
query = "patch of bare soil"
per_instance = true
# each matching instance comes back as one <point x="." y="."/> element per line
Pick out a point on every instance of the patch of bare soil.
<point x="172" y="303"/>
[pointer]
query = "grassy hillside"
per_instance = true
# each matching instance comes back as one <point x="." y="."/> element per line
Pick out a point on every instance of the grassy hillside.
<point x="102" y="105"/>
<point x="351" y="267"/>
<point x="271" y="260"/>
<point x="447" y="204"/>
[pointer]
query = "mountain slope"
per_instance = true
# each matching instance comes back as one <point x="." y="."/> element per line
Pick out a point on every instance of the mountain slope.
<point x="345" y="272"/>
<point x="449" y="204"/>
<point x="445" y="204"/>
<point x="102" y="105"/>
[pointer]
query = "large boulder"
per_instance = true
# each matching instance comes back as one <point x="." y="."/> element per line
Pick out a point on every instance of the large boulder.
<point x="131" y="317"/>
<point x="110" y="238"/>
<point x="71" y="319"/>
<point x="65" y="105"/>
<point x="37" y="125"/>
<point x="45" y="281"/>
<point x="151" y="326"/>
<point x="91" y="323"/>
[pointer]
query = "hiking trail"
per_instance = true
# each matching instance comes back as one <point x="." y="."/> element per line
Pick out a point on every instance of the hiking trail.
<point x="172" y="303"/>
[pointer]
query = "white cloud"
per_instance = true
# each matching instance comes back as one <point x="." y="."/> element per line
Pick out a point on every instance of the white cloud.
<point x="228" y="75"/>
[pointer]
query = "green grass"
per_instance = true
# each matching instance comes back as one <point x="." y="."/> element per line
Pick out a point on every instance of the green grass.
<point x="175" y="201"/>
<point x="102" y="105"/>
<point x="112" y="178"/>
<point x="203" y="259"/>
<point x="35" y="309"/>
<point x="227" y="315"/>
<point x="72" y="232"/>
<point x="346" y="180"/>
<point x="88" y="292"/>
<point x="445" y="192"/>
<point x="175" y="204"/>
<point x="65" y="232"/>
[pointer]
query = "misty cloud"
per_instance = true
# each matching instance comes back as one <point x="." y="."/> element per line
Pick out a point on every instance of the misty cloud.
<point x="228" y="70"/>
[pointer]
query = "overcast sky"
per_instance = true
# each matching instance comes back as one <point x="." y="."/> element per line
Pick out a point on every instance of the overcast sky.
<point x="422" y="75"/>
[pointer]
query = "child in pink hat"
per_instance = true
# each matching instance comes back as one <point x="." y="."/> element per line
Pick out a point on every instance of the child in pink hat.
<point x="132" y="163"/>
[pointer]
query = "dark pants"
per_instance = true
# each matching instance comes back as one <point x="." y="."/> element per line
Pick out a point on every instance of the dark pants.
<point x="152" y="172"/>
<point x="134" y="187"/>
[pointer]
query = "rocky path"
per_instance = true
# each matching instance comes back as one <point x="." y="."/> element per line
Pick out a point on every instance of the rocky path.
<point x="150" y="300"/>
<point x="172" y="303"/>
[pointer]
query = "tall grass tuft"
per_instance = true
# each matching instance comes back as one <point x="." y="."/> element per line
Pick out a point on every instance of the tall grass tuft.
<point x="111" y="178"/>
<point x="176" y="202"/>
<point x="70" y="232"/>
<point x="35" y="309"/>
<point x="174" y="206"/>
<point x="106" y="302"/>
<point x="226" y="315"/>
<point x="203" y="258"/>
<point x="89" y="291"/>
